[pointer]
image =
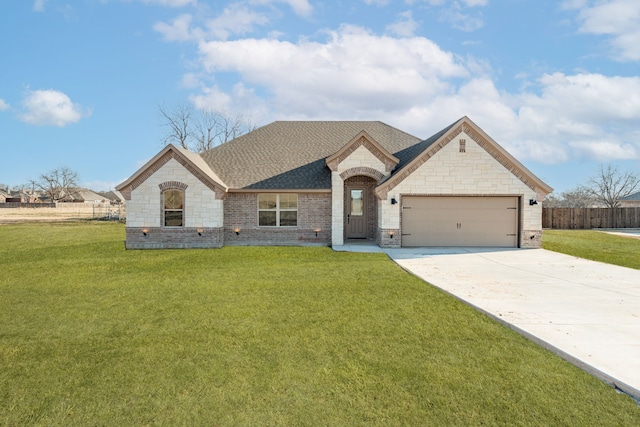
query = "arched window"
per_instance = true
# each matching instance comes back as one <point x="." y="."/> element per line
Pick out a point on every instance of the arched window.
<point x="173" y="208"/>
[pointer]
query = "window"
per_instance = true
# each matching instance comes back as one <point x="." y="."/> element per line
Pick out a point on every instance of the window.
<point x="463" y="145"/>
<point x="173" y="208"/>
<point x="277" y="210"/>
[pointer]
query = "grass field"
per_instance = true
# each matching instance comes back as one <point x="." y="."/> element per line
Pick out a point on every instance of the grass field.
<point x="91" y="334"/>
<point x="594" y="245"/>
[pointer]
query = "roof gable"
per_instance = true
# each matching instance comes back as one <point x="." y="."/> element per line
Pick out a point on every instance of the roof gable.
<point x="191" y="161"/>
<point x="363" y="139"/>
<point x="419" y="154"/>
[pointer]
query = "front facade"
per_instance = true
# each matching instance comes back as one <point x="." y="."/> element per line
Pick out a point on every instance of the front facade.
<point x="326" y="183"/>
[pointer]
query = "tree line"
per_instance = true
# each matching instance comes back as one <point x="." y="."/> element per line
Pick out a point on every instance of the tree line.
<point x="605" y="188"/>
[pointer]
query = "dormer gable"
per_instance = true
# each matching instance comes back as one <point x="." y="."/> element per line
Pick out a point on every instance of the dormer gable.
<point x="363" y="143"/>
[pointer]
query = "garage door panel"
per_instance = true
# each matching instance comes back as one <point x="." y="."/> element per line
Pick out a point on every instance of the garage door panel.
<point x="460" y="221"/>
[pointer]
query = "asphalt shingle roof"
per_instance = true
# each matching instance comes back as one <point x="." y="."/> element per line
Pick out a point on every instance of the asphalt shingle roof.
<point x="291" y="154"/>
<point x="634" y="196"/>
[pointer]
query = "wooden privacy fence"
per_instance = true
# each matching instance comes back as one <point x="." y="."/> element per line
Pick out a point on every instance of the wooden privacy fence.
<point x="587" y="218"/>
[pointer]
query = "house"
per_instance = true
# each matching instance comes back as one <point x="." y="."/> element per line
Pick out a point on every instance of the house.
<point x="631" y="201"/>
<point x="82" y="195"/>
<point x="22" y="196"/>
<point x="326" y="182"/>
<point x="113" y="196"/>
<point x="3" y="196"/>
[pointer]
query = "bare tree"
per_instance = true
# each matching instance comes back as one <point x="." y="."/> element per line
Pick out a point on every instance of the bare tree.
<point x="203" y="130"/>
<point x="58" y="183"/>
<point x="579" y="197"/>
<point x="609" y="185"/>
<point x="178" y="123"/>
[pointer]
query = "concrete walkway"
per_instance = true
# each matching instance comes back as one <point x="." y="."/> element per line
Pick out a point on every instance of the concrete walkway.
<point x="587" y="312"/>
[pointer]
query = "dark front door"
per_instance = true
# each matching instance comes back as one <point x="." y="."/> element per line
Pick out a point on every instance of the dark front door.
<point x="356" y="213"/>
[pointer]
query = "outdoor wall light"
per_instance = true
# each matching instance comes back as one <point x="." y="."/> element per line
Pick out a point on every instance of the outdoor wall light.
<point x="391" y="233"/>
<point x="317" y="230"/>
<point x="145" y="231"/>
<point x="393" y="201"/>
<point x="200" y="231"/>
<point x="533" y="202"/>
<point x="237" y="231"/>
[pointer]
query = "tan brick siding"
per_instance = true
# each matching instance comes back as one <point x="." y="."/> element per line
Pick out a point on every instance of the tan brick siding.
<point x="241" y="211"/>
<point x="173" y="238"/>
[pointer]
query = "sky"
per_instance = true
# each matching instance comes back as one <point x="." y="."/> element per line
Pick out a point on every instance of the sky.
<point x="556" y="83"/>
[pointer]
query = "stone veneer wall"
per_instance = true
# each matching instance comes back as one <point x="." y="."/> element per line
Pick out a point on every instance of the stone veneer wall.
<point x="202" y="211"/>
<point x="241" y="212"/>
<point x="471" y="173"/>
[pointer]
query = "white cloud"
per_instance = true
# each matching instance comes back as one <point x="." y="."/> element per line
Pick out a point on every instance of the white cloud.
<point x="4" y="106"/>
<point x="171" y="3"/>
<point x="300" y="7"/>
<point x="376" y="2"/>
<point x="51" y="107"/>
<point x="409" y="82"/>
<point x="473" y="3"/>
<point x="605" y="149"/>
<point x="235" y="19"/>
<point x="461" y="20"/>
<point x="178" y="30"/>
<point x="404" y="26"/>
<point x="349" y="76"/>
<point x="38" y="5"/>
<point x="351" y="71"/>
<point x="618" y="19"/>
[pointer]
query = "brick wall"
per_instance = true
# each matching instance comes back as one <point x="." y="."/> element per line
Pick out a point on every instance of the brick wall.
<point x="173" y="238"/>
<point x="241" y="212"/>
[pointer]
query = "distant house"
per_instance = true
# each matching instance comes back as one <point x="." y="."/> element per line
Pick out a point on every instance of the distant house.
<point x="82" y="195"/>
<point x="114" y="196"/>
<point x="22" y="197"/>
<point x="326" y="183"/>
<point x="3" y="196"/>
<point x="631" y="201"/>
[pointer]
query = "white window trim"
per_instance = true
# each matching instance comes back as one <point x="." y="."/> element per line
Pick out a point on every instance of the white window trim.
<point x="277" y="210"/>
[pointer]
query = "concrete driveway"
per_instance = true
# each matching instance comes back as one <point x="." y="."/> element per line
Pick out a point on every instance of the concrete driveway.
<point x="587" y="312"/>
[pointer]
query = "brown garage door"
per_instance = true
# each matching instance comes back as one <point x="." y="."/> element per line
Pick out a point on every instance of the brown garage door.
<point x="460" y="221"/>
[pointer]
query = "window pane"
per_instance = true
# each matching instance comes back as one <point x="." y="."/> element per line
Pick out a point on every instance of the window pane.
<point x="288" y="218"/>
<point x="267" y="218"/>
<point x="173" y="218"/>
<point x="288" y="201"/>
<point x="356" y="202"/>
<point x="267" y="201"/>
<point x="173" y="199"/>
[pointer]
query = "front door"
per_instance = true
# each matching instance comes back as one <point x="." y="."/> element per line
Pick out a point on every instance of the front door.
<point x="356" y="213"/>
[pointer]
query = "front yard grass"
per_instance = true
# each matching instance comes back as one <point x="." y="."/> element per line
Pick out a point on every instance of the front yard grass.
<point x="91" y="334"/>
<point x="594" y="245"/>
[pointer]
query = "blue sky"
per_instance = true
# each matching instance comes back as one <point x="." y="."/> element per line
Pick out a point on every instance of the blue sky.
<point x="557" y="83"/>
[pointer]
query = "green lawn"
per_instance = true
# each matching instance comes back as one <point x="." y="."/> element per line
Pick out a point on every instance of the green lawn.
<point x="594" y="245"/>
<point x="91" y="334"/>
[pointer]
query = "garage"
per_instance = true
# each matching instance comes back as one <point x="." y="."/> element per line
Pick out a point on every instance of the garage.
<point x="480" y="221"/>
